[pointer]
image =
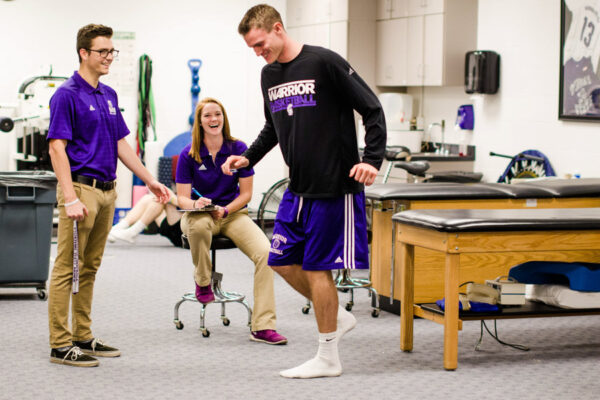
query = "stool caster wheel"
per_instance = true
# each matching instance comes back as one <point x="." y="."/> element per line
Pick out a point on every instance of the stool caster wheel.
<point x="179" y="325"/>
<point x="305" y="309"/>
<point x="349" y="306"/>
<point x="42" y="294"/>
<point x="226" y="321"/>
<point x="205" y="333"/>
<point x="375" y="313"/>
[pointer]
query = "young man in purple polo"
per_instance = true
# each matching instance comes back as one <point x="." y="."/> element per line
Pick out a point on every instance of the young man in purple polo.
<point x="86" y="136"/>
<point x="309" y="95"/>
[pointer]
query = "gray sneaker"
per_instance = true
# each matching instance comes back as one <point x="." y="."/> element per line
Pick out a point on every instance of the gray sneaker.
<point x="72" y="356"/>
<point x="96" y="347"/>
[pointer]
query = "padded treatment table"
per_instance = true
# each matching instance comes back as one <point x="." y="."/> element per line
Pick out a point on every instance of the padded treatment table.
<point x="388" y="199"/>
<point x="541" y="234"/>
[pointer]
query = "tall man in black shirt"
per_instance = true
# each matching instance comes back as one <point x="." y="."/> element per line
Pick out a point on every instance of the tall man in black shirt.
<point x="309" y="96"/>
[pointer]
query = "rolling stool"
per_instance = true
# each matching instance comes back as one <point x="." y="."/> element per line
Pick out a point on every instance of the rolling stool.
<point x="219" y="242"/>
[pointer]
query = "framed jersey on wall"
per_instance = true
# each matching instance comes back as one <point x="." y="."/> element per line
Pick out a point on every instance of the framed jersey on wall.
<point x="579" y="97"/>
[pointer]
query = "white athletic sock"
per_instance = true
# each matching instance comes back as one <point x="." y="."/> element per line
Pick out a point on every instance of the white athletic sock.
<point x="137" y="228"/>
<point x="345" y="322"/>
<point x="119" y="226"/>
<point x="130" y="233"/>
<point x="325" y="363"/>
<point x="122" y="224"/>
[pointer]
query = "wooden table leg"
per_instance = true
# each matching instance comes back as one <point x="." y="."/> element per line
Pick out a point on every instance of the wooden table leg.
<point x="451" y="312"/>
<point x="407" y="295"/>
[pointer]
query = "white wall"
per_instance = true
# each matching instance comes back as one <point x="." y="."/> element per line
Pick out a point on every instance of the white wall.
<point x="524" y="113"/>
<point x="37" y="34"/>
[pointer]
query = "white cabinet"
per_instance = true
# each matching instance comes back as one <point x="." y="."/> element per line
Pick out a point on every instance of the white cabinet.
<point x="414" y="53"/>
<point x="387" y="9"/>
<point x="424" y="7"/>
<point x="307" y="12"/>
<point x="433" y="52"/>
<point x="344" y="26"/>
<point x="433" y="41"/>
<point x="317" y="35"/>
<point x="391" y="66"/>
<point x="311" y="12"/>
<point x="338" y="38"/>
<point x="337" y="10"/>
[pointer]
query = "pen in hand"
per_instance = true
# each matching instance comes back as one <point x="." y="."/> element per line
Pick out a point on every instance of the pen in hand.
<point x="196" y="193"/>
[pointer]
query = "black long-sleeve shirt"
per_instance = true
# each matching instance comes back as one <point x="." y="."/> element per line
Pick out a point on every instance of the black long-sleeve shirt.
<point x="309" y="105"/>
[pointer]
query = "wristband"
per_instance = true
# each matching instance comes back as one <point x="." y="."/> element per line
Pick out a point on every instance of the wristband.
<point x="72" y="203"/>
<point x="225" y="212"/>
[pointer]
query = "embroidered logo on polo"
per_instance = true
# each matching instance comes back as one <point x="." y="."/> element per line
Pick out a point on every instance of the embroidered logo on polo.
<point x="202" y="168"/>
<point x="92" y="108"/>
<point x="276" y="242"/>
<point x="288" y="96"/>
<point x="111" y="109"/>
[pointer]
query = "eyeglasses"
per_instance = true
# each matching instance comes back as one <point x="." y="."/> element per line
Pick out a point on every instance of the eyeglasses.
<point x="104" y="52"/>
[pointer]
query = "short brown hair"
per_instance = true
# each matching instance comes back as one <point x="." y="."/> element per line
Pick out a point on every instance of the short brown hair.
<point x="89" y="33"/>
<point x="261" y="16"/>
<point x="198" y="131"/>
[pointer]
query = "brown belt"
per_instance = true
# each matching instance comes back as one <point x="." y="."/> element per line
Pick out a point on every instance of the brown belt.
<point x="86" y="180"/>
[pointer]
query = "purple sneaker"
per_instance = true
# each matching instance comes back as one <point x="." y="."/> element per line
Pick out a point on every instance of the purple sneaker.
<point x="268" y="336"/>
<point x="204" y="294"/>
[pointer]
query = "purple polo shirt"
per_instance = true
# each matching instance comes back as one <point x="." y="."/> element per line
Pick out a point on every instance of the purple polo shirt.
<point x="207" y="178"/>
<point x="90" y="120"/>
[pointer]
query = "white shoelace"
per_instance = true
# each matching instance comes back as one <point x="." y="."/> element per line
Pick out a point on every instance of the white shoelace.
<point x="73" y="354"/>
<point x="96" y="342"/>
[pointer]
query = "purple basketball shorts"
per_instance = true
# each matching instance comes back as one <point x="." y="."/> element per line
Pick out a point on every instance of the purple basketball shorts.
<point x="321" y="234"/>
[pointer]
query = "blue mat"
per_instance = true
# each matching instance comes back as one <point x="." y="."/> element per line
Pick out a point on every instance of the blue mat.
<point x="475" y="306"/>
<point x="584" y="277"/>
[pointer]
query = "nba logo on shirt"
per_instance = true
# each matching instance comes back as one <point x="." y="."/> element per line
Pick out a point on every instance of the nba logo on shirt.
<point x="112" y="110"/>
<point x="290" y="109"/>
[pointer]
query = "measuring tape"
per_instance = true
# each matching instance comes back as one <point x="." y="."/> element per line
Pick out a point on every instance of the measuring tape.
<point x="75" y="259"/>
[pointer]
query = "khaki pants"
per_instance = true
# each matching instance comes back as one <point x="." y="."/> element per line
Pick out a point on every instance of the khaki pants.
<point x="248" y="237"/>
<point x="92" y="233"/>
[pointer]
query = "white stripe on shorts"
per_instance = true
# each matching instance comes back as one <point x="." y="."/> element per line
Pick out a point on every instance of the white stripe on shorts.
<point x="349" y="256"/>
<point x="300" y="203"/>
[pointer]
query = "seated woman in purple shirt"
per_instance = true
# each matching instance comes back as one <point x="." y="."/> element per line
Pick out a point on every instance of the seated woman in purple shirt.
<point x="200" y="182"/>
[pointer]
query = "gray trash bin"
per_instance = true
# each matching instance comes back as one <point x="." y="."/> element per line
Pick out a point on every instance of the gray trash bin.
<point x="27" y="201"/>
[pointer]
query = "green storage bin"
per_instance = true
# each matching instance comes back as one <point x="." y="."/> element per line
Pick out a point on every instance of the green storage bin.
<point x="27" y="201"/>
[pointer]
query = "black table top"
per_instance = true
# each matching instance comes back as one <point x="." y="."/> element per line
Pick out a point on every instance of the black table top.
<point x="475" y="220"/>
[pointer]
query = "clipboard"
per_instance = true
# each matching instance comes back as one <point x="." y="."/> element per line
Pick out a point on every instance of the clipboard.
<point x="206" y="208"/>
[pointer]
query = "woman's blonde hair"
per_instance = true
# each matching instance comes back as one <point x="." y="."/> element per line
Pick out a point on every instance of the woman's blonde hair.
<point x="198" y="131"/>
